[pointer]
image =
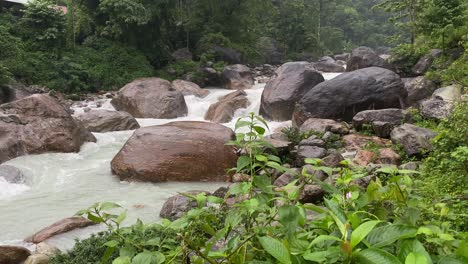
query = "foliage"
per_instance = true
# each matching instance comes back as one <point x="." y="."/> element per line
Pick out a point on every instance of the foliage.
<point x="445" y="169"/>
<point x="380" y="223"/>
<point x="405" y="56"/>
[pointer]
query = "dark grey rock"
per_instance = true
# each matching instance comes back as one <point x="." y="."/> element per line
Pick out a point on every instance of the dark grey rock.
<point x="415" y="140"/>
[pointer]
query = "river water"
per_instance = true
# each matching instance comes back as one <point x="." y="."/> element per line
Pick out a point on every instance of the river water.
<point x="60" y="184"/>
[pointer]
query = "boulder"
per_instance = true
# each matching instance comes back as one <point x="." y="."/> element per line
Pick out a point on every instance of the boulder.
<point x="107" y="120"/>
<point x="59" y="227"/>
<point x="223" y="110"/>
<point x="182" y="54"/>
<point x="283" y="91"/>
<point x="238" y="77"/>
<point x="150" y="98"/>
<point x="425" y="63"/>
<point x="349" y="93"/>
<point x="415" y="140"/>
<point x="312" y="141"/>
<point x="323" y="125"/>
<point x="363" y="57"/>
<point x="212" y="77"/>
<point x="342" y="57"/>
<point x="38" y="124"/>
<point x="333" y="160"/>
<point x="228" y="55"/>
<point x="177" y="151"/>
<point x="13" y="254"/>
<point x="436" y="109"/>
<point x="178" y="205"/>
<point x="418" y="89"/>
<point x="304" y="152"/>
<point x="452" y="93"/>
<point x="280" y="142"/>
<point x="382" y="121"/>
<point x="46" y="249"/>
<point x="189" y="88"/>
<point x="312" y="194"/>
<point x="328" y="66"/>
<point x="287" y="177"/>
<point x="37" y="259"/>
<point x="11" y="174"/>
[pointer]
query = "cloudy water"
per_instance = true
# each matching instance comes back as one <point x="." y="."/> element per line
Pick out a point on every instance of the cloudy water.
<point x="60" y="184"/>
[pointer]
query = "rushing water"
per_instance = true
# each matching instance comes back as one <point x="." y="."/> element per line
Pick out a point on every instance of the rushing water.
<point x="59" y="184"/>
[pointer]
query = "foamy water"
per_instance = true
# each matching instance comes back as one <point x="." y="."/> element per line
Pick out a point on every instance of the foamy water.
<point x="60" y="184"/>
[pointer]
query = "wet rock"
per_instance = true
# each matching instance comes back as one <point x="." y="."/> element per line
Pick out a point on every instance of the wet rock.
<point x="425" y="63"/>
<point x="283" y="91"/>
<point x="212" y="77"/>
<point x="223" y="111"/>
<point x="333" y="160"/>
<point x="382" y="129"/>
<point x="13" y="254"/>
<point x="178" y="205"/>
<point x="38" y="124"/>
<point x="312" y="141"/>
<point x="436" y="109"/>
<point x="150" y="98"/>
<point x="418" y="89"/>
<point x="11" y="174"/>
<point x="177" y="151"/>
<point x="415" y="140"/>
<point x="189" y="88"/>
<point x="349" y="93"/>
<point x="323" y="125"/>
<point x="59" y="227"/>
<point x="238" y="77"/>
<point x="280" y="142"/>
<point x="287" y="178"/>
<point x="305" y="152"/>
<point x="364" y="57"/>
<point x="312" y="194"/>
<point x="106" y="121"/>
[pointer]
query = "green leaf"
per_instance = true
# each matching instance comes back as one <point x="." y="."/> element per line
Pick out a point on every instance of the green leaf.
<point x="409" y="246"/>
<point x="386" y="235"/>
<point x="375" y="256"/>
<point x="275" y="248"/>
<point x="241" y="123"/>
<point x="416" y="258"/>
<point x="121" y="217"/>
<point x="158" y="257"/>
<point x="111" y="243"/>
<point x="94" y="218"/>
<point x="362" y="231"/>
<point x="323" y="238"/>
<point x="108" y="205"/>
<point x="242" y="162"/>
<point x="122" y="260"/>
<point x="261" y="158"/>
<point x="275" y="165"/>
<point x="317" y="256"/>
<point x="453" y="259"/>
<point x="260" y="130"/>
<point x="143" y="258"/>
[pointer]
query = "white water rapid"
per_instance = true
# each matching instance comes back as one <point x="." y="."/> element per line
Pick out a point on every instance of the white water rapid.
<point x="59" y="184"/>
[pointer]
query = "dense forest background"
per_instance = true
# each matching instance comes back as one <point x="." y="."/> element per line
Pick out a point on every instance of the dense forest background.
<point x="102" y="44"/>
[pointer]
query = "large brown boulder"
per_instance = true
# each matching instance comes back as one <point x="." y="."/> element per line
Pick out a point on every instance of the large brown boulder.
<point x="223" y="110"/>
<point x="292" y="81"/>
<point x="13" y="254"/>
<point x="107" y="120"/>
<point x="38" y="124"/>
<point x="189" y="88"/>
<point x="237" y="77"/>
<point x="178" y="151"/>
<point x="150" y="98"/>
<point x="363" y="57"/>
<point x="59" y="227"/>
<point x="349" y="93"/>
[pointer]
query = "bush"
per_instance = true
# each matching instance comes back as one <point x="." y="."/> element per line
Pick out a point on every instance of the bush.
<point x="405" y="56"/>
<point x="444" y="171"/>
